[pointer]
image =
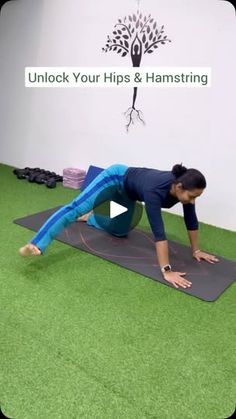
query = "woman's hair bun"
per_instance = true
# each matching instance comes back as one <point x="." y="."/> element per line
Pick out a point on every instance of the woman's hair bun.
<point x="178" y="170"/>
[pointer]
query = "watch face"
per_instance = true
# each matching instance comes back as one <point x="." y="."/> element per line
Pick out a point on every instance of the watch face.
<point x="167" y="268"/>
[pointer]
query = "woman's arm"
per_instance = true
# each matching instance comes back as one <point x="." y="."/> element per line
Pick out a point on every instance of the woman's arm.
<point x="175" y="278"/>
<point x="153" y="210"/>
<point x="193" y="238"/>
<point x="197" y="253"/>
<point x="162" y="251"/>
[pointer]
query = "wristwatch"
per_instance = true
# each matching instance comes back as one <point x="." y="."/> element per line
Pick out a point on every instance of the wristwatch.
<point x="166" y="268"/>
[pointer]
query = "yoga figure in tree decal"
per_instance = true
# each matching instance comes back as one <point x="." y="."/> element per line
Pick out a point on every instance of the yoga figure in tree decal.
<point x="135" y="34"/>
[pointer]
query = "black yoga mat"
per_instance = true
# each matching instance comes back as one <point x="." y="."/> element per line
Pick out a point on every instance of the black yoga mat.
<point x="137" y="253"/>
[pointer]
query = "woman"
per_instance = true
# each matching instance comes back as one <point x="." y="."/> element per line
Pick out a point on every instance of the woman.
<point x="157" y="189"/>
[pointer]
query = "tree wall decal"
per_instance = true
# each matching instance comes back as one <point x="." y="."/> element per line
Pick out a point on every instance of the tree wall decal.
<point x="135" y="35"/>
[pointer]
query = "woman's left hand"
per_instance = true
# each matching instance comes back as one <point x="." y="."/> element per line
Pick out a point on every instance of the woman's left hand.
<point x="205" y="256"/>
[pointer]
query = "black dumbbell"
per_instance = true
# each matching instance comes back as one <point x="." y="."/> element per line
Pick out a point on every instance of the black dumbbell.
<point x="41" y="178"/>
<point x="22" y="173"/>
<point x="16" y="171"/>
<point x="44" y="177"/>
<point x="49" y="181"/>
<point x="34" y="174"/>
<point x="27" y="173"/>
<point x="52" y="181"/>
<point x="58" y="178"/>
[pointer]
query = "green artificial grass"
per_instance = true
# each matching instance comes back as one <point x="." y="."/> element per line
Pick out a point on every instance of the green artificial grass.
<point x="81" y="337"/>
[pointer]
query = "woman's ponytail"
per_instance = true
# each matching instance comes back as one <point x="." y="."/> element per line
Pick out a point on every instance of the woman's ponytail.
<point x="178" y="170"/>
<point x="189" y="178"/>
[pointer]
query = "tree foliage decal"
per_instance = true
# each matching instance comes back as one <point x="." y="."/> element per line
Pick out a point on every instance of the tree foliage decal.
<point x="135" y="35"/>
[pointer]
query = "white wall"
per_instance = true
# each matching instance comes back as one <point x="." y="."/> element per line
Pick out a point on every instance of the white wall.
<point x="57" y="128"/>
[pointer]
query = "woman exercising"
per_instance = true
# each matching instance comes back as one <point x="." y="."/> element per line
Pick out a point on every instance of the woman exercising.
<point x="156" y="188"/>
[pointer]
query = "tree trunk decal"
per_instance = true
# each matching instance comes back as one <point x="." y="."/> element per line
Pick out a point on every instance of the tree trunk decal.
<point x="135" y="35"/>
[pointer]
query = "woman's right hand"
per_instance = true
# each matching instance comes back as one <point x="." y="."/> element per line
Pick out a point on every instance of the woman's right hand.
<point x="176" y="279"/>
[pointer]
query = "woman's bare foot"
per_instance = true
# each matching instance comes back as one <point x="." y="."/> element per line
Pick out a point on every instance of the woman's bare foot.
<point x="85" y="217"/>
<point x="29" y="250"/>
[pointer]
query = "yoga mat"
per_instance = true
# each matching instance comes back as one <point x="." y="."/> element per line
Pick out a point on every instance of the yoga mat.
<point x="137" y="253"/>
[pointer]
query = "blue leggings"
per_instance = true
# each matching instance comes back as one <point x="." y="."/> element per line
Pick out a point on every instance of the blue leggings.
<point x="82" y="204"/>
